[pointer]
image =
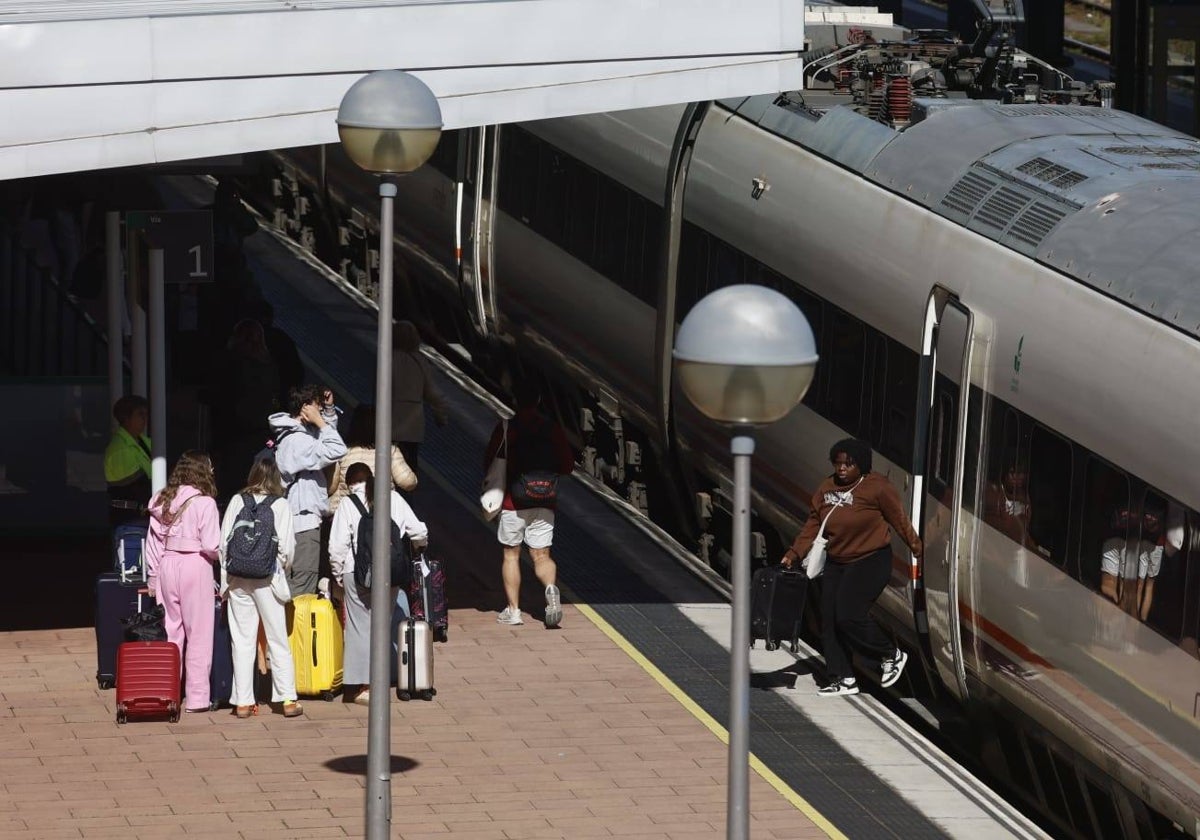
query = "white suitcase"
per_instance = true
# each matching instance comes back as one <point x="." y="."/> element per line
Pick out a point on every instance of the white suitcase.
<point x="414" y="668"/>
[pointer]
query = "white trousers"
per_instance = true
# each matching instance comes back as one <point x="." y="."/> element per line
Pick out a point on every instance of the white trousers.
<point x="250" y="601"/>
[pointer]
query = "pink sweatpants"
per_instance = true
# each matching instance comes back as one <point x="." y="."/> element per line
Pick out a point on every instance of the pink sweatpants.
<point x="185" y="590"/>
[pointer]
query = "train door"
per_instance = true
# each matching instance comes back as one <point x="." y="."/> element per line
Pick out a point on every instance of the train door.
<point x="475" y="206"/>
<point x="946" y="531"/>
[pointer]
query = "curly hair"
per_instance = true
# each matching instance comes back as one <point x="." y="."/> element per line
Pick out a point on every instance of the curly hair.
<point x="858" y="451"/>
<point x="193" y="469"/>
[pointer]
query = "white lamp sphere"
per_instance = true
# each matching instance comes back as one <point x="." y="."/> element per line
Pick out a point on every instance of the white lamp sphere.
<point x="389" y="122"/>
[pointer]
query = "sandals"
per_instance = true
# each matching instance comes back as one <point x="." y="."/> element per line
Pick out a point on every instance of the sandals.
<point x="244" y="712"/>
<point x="292" y="709"/>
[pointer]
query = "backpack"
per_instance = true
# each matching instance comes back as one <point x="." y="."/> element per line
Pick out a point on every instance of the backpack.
<point x="252" y="546"/>
<point x="364" y="548"/>
<point x="535" y="465"/>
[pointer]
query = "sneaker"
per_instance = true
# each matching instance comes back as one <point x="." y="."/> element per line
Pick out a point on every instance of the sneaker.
<point x="363" y="698"/>
<point x="509" y="616"/>
<point x="892" y="668"/>
<point x="844" y="687"/>
<point x="553" y="607"/>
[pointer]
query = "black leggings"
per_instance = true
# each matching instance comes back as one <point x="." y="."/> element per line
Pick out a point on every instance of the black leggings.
<point x="848" y="591"/>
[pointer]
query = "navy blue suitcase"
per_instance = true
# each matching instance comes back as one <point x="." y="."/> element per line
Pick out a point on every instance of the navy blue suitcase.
<point x="220" y="678"/>
<point x="115" y="600"/>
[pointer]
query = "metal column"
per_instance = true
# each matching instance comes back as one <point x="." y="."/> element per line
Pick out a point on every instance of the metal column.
<point x="737" y="814"/>
<point x="158" y="372"/>
<point x="116" y="301"/>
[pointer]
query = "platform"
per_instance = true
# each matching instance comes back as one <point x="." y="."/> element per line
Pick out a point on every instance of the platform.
<point x="610" y="726"/>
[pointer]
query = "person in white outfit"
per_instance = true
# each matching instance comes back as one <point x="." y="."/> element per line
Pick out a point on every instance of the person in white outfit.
<point x="252" y="599"/>
<point x="343" y="544"/>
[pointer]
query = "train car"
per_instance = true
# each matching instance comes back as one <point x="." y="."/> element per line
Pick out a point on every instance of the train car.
<point x="999" y="271"/>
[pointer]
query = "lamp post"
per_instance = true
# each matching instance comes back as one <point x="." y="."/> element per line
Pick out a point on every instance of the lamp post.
<point x="745" y="356"/>
<point x="389" y="123"/>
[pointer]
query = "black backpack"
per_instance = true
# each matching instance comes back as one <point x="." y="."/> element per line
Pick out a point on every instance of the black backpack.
<point x="364" y="546"/>
<point x="535" y="465"/>
<point x="253" y="545"/>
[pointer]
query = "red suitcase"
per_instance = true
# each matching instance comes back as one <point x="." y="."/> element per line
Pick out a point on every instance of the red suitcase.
<point x="148" y="681"/>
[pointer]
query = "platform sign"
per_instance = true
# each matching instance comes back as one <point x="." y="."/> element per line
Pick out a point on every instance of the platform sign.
<point x="185" y="237"/>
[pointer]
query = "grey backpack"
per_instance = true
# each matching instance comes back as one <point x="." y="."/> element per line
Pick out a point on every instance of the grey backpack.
<point x="253" y="545"/>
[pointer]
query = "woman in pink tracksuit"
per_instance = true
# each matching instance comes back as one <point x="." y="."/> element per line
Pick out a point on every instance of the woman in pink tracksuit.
<point x="183" y="543"/>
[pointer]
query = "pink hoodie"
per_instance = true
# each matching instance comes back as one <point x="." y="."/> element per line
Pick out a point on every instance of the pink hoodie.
<point x="197" y="531"/>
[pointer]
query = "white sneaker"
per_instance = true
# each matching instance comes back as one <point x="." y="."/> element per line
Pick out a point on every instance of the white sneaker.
<point x="509" y="616"/>
<point x="892" y="668"/>
<point x="553" y="607"/>
<point x="839" y="688"/>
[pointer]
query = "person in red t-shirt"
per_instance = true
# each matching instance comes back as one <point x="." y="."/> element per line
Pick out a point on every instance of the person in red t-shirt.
<point x="537" y="452"/>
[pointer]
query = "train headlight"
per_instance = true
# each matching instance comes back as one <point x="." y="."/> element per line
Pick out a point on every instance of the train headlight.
<point x="745" y="355"/>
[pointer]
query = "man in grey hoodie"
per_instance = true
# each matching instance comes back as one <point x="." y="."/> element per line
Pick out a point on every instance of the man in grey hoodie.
<point x="306" y="441"/>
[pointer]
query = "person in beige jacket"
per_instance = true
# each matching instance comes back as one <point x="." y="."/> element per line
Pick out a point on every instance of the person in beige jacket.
<point x="361" y="450"/>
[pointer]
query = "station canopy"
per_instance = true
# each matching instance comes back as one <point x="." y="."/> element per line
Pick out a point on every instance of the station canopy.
<point x="94" y="84"/>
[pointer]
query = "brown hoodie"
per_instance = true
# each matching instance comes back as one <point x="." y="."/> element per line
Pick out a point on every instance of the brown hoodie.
<point x="859" y="526"/>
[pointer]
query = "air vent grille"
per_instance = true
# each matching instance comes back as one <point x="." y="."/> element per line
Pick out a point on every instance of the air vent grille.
<point x="968" y="193"/>
<point x="1177" y="165"/>
<point x="1000" y="208"/>
<point x="1032" y="226"/>
<point x="1152" y="151"/>
<point x="1057" y="111"/>
<point x="1052" y="173"/>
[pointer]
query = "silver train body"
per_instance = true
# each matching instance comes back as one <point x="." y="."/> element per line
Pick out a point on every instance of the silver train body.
<point x="1038" y="263"/>
<point x="1094" y="368"/>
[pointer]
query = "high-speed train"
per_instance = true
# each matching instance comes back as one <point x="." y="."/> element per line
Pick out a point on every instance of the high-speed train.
<point x="1001" y="275"/>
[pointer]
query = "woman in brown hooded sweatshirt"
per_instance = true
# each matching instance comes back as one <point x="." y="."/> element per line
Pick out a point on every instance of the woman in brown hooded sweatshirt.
<point x="859" y="509"/>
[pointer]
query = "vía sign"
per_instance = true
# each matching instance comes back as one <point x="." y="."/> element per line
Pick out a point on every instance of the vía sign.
<point x="185" y="237"/>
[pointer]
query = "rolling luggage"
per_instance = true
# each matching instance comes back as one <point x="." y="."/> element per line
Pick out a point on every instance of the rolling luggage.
<point x="427" y="595"/>
<point x="148" y="681"/>
<point x="414" y="666"/>
<point x="316" y="642"/>
<point x="129" y="562"/>
<point x="220" y="678"/>
<point x="115" y="600"/>
<point x="777" y="606"/>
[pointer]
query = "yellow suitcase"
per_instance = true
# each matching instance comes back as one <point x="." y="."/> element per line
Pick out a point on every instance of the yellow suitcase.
<point x="316" y="642"/>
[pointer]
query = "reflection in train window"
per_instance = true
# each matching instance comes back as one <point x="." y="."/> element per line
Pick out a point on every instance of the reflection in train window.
<point x="1049" y="493"/>
<point x="693" y="267"/>
<point x="847" y="357"/>
<point x="810" y="305"/>
<point x="1106" y="495"/>
<point x="1163" y="526"/>
<point x="636" y="280"/>
<point x="725" y="266"/>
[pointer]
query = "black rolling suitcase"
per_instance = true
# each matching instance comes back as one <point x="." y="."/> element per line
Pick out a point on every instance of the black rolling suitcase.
<point x="116" y="599"/>
<point x="777" y="606"/>
<point x="220" y="678"/>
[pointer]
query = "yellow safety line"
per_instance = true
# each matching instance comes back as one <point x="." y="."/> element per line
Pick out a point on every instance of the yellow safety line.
<point x="705" y="718"/>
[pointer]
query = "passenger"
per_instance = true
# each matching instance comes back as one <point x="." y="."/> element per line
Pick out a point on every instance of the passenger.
<point x="535" y="443"/>
<point x="1007" y="509"/>
<point x="183" y="543"/>
<point x="360" y="440"/>
<point x="1127" y="583"/>
<point x="127" y="463"/>
<point x="412" y="388"/>
<point x="252" y="600"/>
<point x="859" y="562"/>
<point x="243" y="396"/>
<point x="281" y="347"/>
<point x="343" y="546"/>
<point x="306" y="441"/>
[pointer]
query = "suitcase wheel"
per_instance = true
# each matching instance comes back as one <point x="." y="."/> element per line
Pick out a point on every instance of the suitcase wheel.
<point x="104" y="683"/>
<point x="173" y="717"/>
<point x="428" y="695"/>
<point x="121" y="717"/>
<point x="327" y="696"/>
<point x="403" y="695"/>
<point x="772" y="645"/>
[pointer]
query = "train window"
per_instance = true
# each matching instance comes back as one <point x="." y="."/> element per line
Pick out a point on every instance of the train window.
<point x="518" y="172"/>
<point x="1105" y="519"/>
<point x="944" y="425"/>
<point x="550" y="203"/>
<point x="876" y="377"/>
<point x="445" y="156"/>
<point x="693" y="268"/>
<point x="1191" y="599"/>
<point x="1104" y="810"/>
<point x="900" y="399"/>
<point x="635" y="243"/>
<point x="811" y="306"/>
<point x="1049" y="493"/>
<point x="612" y="218"/>
<point x="1163" y="576"/>
<point x="971" y="453"/>
<point x="584" y="191"/>
<point x="847" y="360"/>
<point x="652" y="230"/>
<point x="726" y="265"/>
